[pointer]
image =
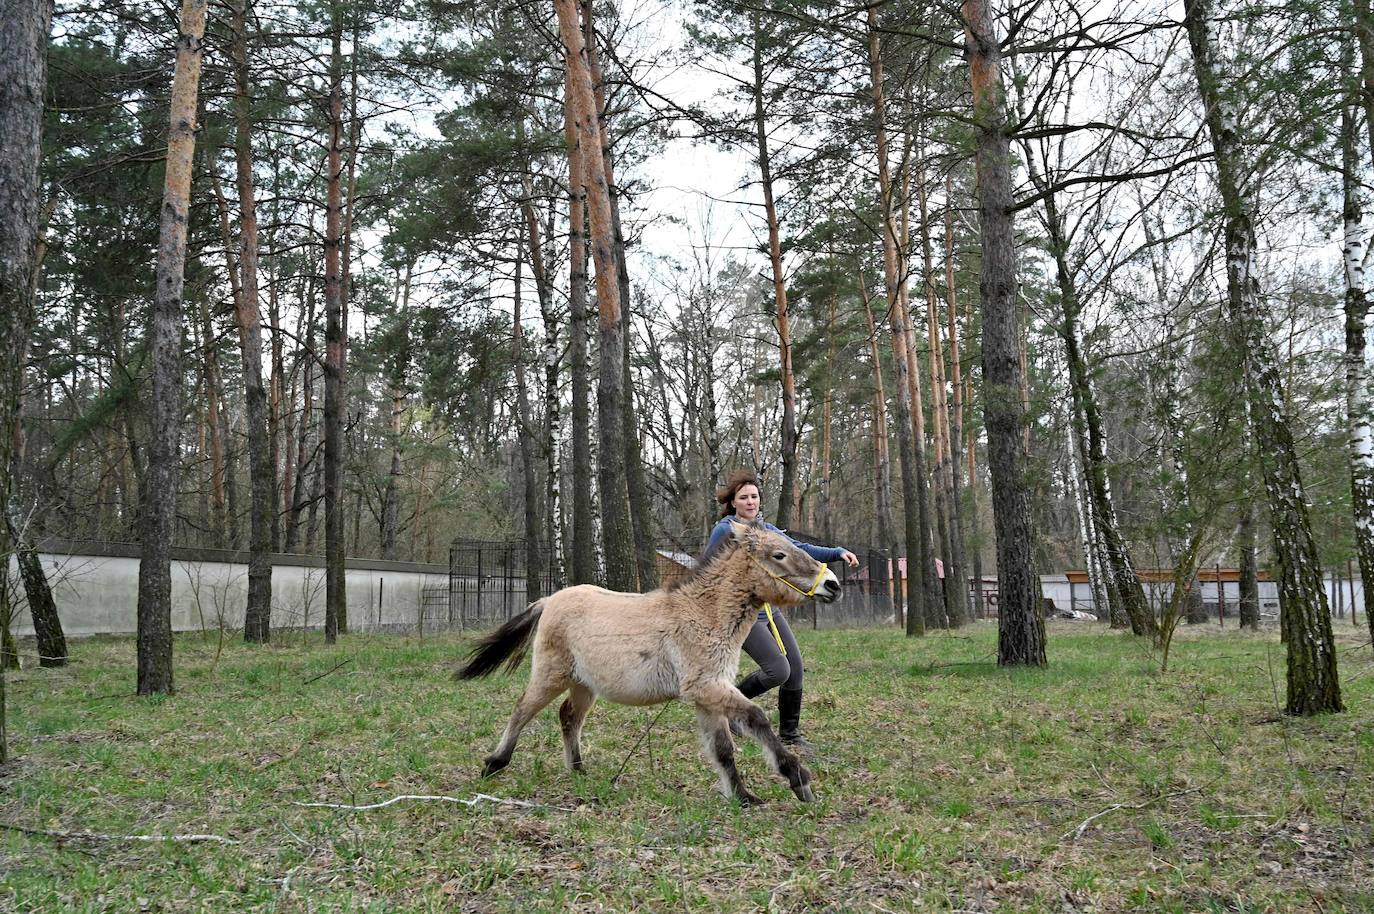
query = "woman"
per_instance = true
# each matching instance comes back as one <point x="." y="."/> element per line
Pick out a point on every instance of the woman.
<point x="770" y="642"/>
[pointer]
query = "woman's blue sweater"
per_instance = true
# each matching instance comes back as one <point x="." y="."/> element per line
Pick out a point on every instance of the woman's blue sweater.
<point x="819" y="553"/>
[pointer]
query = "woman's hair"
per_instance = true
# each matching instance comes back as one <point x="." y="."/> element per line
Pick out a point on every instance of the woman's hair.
<point x="726" y="493"/>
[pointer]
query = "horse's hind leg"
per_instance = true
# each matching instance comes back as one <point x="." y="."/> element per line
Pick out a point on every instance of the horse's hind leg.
<point x="724" y="699"/>
<point x="720" y="750"/>
<point x="570" y="717"/>
<point x="540" y="691"/>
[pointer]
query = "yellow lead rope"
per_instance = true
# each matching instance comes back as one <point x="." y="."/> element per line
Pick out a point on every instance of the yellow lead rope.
<point x="773" y="626"/>
<point x="768" y="607"/>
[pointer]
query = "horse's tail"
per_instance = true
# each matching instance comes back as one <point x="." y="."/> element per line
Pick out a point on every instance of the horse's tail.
<point x="507" y="644"/>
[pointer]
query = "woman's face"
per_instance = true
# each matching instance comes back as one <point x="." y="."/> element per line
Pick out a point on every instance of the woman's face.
<point x="746" y="501"/>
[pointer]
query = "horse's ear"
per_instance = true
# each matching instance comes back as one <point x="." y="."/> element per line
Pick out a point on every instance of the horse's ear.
<point x="745" y="533"/>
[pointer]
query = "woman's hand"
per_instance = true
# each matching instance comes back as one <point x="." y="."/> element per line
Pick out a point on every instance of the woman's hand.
<point x="850" y="558"/>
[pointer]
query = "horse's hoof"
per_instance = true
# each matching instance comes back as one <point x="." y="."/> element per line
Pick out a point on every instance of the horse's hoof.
<point x="493" y="765"/>
<point x="804" y="793"/>
<point x="748" y="798"/>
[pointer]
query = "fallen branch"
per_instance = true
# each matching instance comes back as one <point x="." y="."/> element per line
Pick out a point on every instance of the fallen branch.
<point x="635" y="747"/>
<point x="1075" y="833"/>
<point x="328" y="671"/>
<point x="92" y="836"/>
<point x="477" y="798"/>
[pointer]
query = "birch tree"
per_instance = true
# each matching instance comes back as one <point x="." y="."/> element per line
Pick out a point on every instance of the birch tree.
<point x="1312" y="681"/>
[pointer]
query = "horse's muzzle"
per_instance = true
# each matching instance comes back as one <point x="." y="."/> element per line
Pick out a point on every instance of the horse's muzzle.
<point x="829" y="589"/>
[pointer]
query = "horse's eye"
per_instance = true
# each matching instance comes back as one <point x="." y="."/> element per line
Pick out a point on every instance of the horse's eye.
<point x="779" y="556"/>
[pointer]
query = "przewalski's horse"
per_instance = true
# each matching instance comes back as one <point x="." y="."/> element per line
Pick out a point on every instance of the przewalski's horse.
<point x="643" y="649"/>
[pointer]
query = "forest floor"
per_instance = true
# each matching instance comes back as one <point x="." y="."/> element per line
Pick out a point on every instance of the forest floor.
<point x="944" y="784"/>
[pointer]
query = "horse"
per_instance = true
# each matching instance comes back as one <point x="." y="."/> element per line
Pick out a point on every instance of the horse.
<point x="680" y="642"/>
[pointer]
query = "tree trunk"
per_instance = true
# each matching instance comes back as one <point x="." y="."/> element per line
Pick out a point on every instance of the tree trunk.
<point x="391" y="499"/>
<point x="533" y="561"/>
<point x="549" y="432"/>
<point x="645" y="565"/>
<point x="956" y="414"/>
<point x="47" y="626"/>
<point x="335" y="596"/>
<point x="928" y="505"/>
<point x="616" y="530"/>
<point x="1359" y="409"/>
<point x="24" y="30"/>
<point x="963" y="387"/>
<point x="917" y="534"/>
<point x="1087" y="423"/>
<point x="164" y="347"/>
<point x="214" y="387"/>
<point x="955" y="586"/>
<point x="789" y="384"/>
<point x="583" y="538"/>
<point x="1020" y="623"/>
<point x="306" y="355"/>
<point x="827" y="524"/>
<point x="257" y="621"/>
<point x="1313" y="684"/>
<point x="1248" y="585"/>
<point x="882" y="462"/>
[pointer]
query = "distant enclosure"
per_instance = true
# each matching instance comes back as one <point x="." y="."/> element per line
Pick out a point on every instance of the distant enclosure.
<point x="95" y="585"/>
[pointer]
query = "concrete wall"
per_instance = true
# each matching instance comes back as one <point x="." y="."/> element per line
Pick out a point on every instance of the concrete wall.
<point x="98" y="594"/>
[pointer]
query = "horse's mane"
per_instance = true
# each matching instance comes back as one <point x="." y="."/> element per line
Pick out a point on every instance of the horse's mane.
<point x="713" y="554"/>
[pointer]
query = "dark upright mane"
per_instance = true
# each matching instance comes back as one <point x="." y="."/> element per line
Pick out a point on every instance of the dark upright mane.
<point x="713" y="554"/>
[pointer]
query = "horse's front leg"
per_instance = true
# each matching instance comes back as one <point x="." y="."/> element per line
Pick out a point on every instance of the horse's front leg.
<point x="724" y="700"/>
<point x="720" y="751"/>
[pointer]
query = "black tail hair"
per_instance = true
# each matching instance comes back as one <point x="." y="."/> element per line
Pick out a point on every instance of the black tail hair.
<point x="507" y="644"/>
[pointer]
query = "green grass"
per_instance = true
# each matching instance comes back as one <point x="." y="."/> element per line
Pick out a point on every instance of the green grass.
<point x="944" y="784"/>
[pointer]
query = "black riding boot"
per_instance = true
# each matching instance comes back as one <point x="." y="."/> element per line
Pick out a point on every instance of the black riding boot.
<point x="752" y="686"/>
<point x="789" y="716"/>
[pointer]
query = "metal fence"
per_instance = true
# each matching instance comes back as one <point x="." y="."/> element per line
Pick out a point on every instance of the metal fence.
<point x="488" y="585"/>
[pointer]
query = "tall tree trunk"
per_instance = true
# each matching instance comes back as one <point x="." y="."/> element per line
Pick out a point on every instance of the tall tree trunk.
<point x="918" y="553"/>
<point x="789" y="383"/>
<point x="1248" y="586"/>
<point x="1020" y="623"/>
<point x="583" y="538"/>
<point x="1087" y="423"/>
<point x="928" y="504"/>
<point x="335" y="596"/>
<point x="164" y="346"/>
<point x="553" y="497"/>
<point x="548" y="433"/>
<point x="533" y="560"/>
<point x="616" y="530"/>
<point x="274" y="405"/>
<point x="214" y="387"/>
<point x="956" y="577"/>
<point x="827" y="525"/>
<point x="24" y="29"/>
<point x="306" y="357"/>
<point x="956" y="413"/>
<point x="962" y="385"/>
<point x="257" y="621"/>
<point x="882" y="462"/>
<point x="1313" y="684"/>
<point x="1359" y="409"/>
<point x="640" y="523"/>
<point x="391" y="499"/>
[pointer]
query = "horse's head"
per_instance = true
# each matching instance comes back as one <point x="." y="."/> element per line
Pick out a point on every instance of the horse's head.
<point x="790" y="575"/>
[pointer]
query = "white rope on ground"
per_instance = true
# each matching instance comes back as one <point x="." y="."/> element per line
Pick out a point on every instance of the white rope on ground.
<point x="476" y="799"/>
<point x="92" y="836"/>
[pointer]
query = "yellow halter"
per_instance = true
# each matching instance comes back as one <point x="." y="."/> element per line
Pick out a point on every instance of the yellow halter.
<point x="768" y="607"/>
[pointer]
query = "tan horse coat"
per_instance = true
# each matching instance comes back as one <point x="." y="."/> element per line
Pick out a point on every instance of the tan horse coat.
<point x="643" y="649"/>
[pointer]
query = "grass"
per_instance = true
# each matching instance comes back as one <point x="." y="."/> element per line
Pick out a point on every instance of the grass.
<point x="944" y="783"/>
